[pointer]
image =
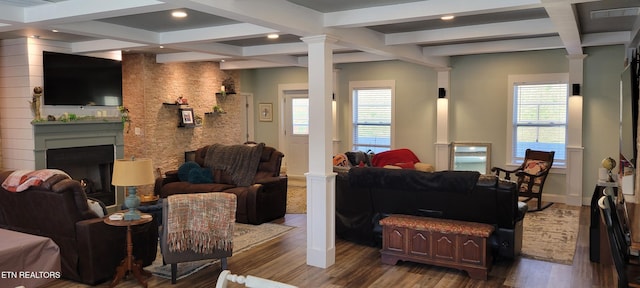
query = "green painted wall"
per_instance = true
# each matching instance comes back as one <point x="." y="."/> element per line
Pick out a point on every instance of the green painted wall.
<point x="263" y="83"/>
<point x="478" y="101"/>
<point x="415" y="103"/>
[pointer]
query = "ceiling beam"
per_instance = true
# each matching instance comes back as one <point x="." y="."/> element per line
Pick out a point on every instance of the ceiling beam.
<point x="475" y="32"/>
<point x="188" y="57"/>
<point x="564" y="18"/>
<point x="279" y="15"/>
<point x="249" y="64"/>
<point x="103" y="45"/>
<point x="609" y="38"/>
<point x="421" y="10"/>
<point x="495" y="46"/>
<point x="289" y="18"/>
<point x="110" y="31"/>
<point x="217" y="33"/>
<point x="86" y="10"/>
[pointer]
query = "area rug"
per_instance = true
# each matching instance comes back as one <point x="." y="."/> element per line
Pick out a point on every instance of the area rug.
<point x="297" y="198"/>
<point x="551" y="234"/>
<point x="245" y="236"/>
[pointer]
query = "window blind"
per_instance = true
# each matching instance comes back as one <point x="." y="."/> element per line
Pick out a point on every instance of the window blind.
<point x="372" y="119"/>
<point x="540" y="119"/>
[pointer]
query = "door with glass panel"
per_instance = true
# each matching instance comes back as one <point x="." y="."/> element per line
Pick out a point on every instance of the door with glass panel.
<point x="297" y="133"/>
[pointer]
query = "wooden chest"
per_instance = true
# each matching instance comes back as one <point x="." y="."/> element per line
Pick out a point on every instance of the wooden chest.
<point x="442" y="242"/>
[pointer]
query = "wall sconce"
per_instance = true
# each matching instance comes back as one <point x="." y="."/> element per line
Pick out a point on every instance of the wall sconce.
<point x="575" y="89"/>
<point x="442" y="93"/>
<point x="132" y="173"/>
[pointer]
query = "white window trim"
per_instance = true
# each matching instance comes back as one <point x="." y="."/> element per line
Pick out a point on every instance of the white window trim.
<point x="529" y="79"/>
<point x="385" y="84"/>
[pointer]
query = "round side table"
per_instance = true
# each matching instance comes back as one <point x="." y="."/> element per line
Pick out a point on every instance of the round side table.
<point x="129" y="264"/>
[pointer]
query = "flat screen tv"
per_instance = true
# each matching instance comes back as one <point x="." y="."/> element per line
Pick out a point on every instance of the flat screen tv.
<point x="81" y="80"/>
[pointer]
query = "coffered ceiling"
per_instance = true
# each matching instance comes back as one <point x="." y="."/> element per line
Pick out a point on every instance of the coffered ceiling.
<point x="366" y="30"/>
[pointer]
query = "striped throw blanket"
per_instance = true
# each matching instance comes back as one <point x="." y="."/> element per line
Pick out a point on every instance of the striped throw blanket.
<point x="240" y="161"/>
<point x="21" y="180"/>
<point x="201" y="222"/>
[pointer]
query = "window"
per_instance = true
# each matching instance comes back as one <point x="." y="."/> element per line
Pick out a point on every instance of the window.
<point x="539" y="116"/>
<point x="300" y="116"/>
<point x="372" y="116"/>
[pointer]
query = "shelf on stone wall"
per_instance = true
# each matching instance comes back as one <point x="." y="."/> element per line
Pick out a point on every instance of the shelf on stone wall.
<point x="174" y="104"/>
<point x="228" y="93"/>
<point x="214" y="113"/>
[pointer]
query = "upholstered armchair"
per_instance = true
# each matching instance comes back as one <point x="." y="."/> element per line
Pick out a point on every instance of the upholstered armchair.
<point x="196" y="227"/>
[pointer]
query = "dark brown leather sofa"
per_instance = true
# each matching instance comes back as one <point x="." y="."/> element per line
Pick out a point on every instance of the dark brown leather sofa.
<point x="90" y="250"/>
<point x="262" y="201"/>
<point x="366" y="195"/>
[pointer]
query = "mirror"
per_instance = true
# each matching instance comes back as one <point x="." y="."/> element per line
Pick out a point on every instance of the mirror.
<point x="465" y="156"/>
<point x="628" y="126"/>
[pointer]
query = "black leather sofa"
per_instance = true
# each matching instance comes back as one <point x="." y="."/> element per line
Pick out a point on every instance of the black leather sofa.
<point x="364" y="195"/>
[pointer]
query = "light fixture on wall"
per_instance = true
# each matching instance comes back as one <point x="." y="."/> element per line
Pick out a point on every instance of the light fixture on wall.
<point x="132" y="173"/>
<point x="442" y="93"/>
<point x="575" y="89"/>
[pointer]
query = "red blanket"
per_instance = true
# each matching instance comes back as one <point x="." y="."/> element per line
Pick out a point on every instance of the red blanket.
<point x="21" y="180"/>
<point x="399" y="157"/>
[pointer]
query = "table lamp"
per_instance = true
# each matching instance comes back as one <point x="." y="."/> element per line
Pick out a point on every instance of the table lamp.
<point x="132" y="173"/>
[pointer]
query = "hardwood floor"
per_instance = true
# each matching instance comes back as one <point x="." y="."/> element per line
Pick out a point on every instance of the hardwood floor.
<point x="284" y="259"/>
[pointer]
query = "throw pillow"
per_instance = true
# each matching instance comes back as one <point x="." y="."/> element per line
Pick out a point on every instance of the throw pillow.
<point x="184" y="169"/>
<point x="341" y="160"/>
<point x="533" y="167"/>
<point x="424" y="167"/>
<point x="404" y="165"/>
<point x="358" y="158"/>
<point x="97" y="207"/>
<point x="200" y="175"/>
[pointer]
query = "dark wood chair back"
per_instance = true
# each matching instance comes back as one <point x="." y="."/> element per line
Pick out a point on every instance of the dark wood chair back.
<point x="531" y="175"/>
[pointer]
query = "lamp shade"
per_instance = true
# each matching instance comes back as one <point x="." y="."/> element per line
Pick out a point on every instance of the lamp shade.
<point x="132" y="172"/>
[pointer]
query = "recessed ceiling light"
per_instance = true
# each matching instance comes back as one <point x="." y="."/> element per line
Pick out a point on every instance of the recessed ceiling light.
<point x="273" y="36"/>
<point x="447" y="17"/>
<point x="179" y="14"/>
<point x="35" y="36"/>
<point x="55" y="31"/>
<point x="161" y="47"/>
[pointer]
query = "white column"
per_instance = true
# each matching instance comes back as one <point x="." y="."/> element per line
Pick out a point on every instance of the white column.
<point x="442" y="121"/>
<point x="320" y="178"/>
<point x="575" y="151"/>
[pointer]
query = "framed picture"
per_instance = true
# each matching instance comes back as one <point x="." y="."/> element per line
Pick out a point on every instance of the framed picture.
<point x="186" y="117"/>
<point x="266" y="112"/>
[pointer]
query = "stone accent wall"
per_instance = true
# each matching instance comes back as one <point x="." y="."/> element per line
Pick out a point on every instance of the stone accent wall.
<point x="147" y="85"/>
